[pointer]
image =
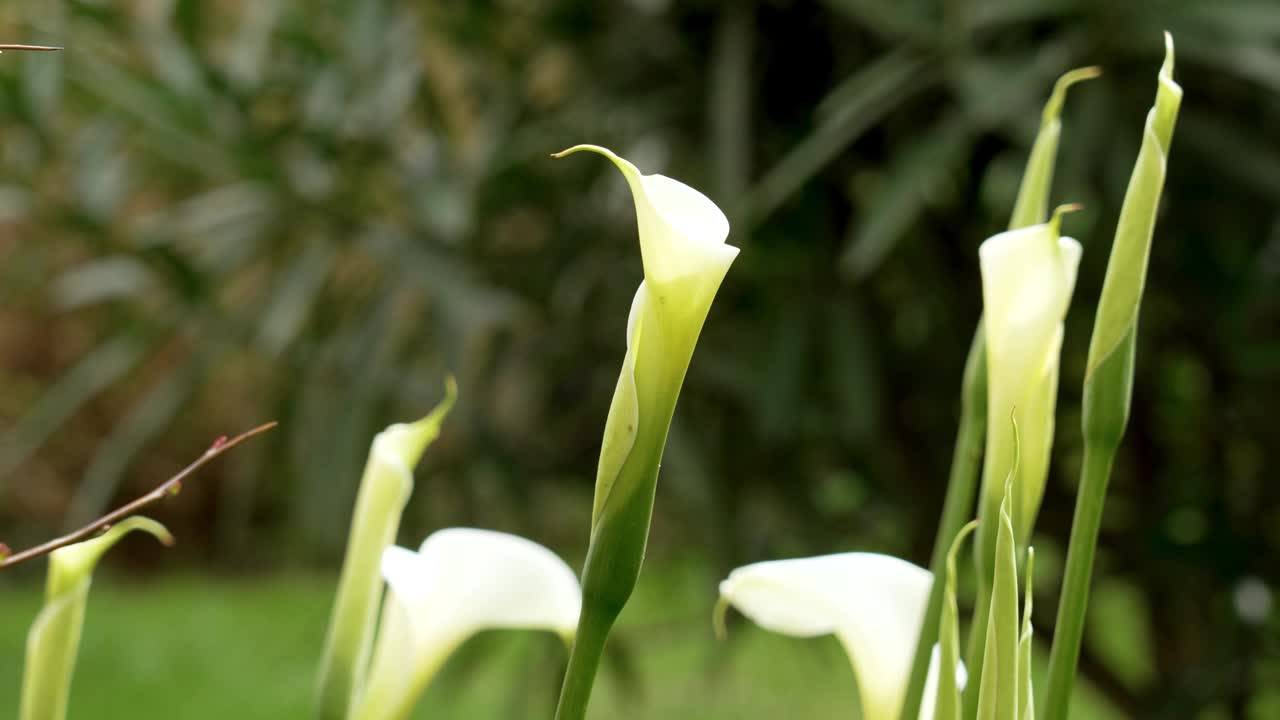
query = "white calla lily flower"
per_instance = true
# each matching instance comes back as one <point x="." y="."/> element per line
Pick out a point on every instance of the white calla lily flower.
<point x="872" y="603"/>
<point x="461" y="581"/>
<point x="1028" y="276"/>
<point x="682" y="246"/>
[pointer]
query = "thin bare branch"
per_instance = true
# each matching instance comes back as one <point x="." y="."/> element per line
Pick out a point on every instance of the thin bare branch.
<point x="35" y="48"/>
<point x="169" y="487"/>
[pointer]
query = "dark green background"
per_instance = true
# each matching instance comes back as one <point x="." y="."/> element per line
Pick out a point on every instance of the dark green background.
<point x="218" y="213"/>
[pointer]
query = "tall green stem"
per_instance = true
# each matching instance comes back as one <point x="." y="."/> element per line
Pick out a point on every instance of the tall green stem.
<point x="1084" y="540"/>
<point x="962" y="485"/>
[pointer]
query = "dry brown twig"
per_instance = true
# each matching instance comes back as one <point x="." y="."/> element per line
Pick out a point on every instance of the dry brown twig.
<point x="35" y="48"/>
<point x="169" y="487"/>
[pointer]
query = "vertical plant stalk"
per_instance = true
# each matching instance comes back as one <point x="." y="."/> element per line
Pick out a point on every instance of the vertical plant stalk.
<point x="957" y="509"/>
<point x="1108" y="384"/>
<point x="1030" y="208"/>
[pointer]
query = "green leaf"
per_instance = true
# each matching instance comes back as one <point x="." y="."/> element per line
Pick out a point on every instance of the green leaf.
<point x="1037" y="181"/>
<point x="948" y="706"/>
<point x="998" y="690"/>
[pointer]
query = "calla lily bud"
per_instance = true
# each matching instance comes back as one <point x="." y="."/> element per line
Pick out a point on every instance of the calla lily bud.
<point x="1028" y="276"/>
<point x="682" y="245"/>
<point x="461" y="581"/>
<point x="54" y="639"/>
<point x="872" y="603"/>
<point x="1108" y="385"/>
<point x="1117" y="318"/>
<point x="384" y="489"/>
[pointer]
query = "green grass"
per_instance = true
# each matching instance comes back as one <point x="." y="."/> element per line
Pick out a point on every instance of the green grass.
<point x="197" y="647"/>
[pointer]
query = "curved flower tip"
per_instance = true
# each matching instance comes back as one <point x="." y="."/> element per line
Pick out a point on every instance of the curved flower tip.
<point x="682" y="232"/>
<point x="405" y="442"/>
<point x="1053" y="108"/>
<point x="872" y="603"/>
<point x="73" y="563"/>
<point x="461" y="581"/>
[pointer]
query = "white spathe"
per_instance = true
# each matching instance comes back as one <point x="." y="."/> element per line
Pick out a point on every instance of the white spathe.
<point x="872" y="603"/>
<point x="682" y="246"/>
<point x="682" y="232"/>
<point x="1028" y="276"/>
<point x="461" y="581"/>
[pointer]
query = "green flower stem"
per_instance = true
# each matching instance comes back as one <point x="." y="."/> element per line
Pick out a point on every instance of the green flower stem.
<point x="956" y="510"/>
<point x="614" y="558"/>
<point x="1108" y="385"/>
<point x="584" y="660"/>
<point x="1108" y="390"/>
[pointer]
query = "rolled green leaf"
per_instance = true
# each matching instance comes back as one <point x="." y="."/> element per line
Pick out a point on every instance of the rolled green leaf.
<point x="1031" y="208"/>
<point x="998" y="687"/>
<point x="384" y="489"/>
<point x="1108" y="385"/>
<point x="682" y="245"/>
<point x="948" y="704"/>
<point x="54" y="639"/>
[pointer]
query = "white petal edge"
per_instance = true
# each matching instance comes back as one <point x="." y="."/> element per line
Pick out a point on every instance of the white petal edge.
<point x="873" y="603"/>
<point x="682" y="232"/>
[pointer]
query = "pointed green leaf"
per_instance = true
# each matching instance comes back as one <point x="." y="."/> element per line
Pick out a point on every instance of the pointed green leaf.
<point x="998" y="689"/>
<point x="948" y="704"/>
<point x="1037" y="181"/>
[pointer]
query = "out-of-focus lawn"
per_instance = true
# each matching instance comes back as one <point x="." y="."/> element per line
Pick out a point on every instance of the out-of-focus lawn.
<point x="201" y="647"/>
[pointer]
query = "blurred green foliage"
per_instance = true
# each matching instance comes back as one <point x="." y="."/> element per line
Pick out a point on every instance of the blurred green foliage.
<point x="218" y="213"/>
